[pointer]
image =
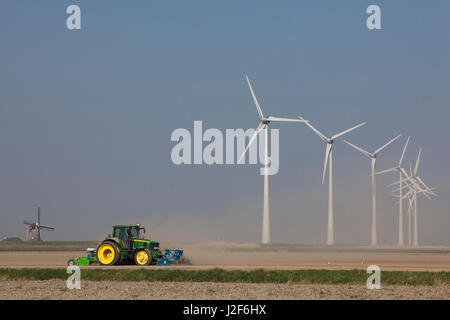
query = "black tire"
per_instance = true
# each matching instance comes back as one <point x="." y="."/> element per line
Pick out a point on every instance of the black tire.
<point x="116" y="253"/>
<point x="140" y="263"/>
<point x="71" y="262"/>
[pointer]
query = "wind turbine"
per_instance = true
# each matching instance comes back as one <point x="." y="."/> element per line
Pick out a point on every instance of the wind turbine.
<point x="411" y="195"/>
<point x="401" y="171"/>
<point x="417" y="182"/>
<point x="329" y="155"/>
<point x="373" y="158"/>
<point x="264" y="124"/>
<point x="413" y="182"/>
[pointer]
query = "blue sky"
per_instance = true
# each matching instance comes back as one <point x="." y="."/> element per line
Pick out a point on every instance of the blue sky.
<point x="86" y="115"/>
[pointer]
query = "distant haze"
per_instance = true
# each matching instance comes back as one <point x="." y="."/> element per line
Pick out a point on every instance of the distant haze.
<point x="86" y="116"/>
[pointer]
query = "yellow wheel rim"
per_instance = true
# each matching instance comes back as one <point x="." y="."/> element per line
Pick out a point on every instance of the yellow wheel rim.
<point x="142" y="257"/>
<point x="106" y="254"/>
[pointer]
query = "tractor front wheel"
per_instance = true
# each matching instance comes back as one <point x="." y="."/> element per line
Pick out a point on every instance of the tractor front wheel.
<point x="142" y="257"/>
<point x="108" y="253"/>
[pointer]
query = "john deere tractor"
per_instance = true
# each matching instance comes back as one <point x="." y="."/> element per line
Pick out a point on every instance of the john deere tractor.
<point x="127" y="245"/>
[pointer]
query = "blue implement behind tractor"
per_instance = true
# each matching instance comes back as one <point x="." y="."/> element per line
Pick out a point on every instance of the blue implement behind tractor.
<point x="171" y="256"/>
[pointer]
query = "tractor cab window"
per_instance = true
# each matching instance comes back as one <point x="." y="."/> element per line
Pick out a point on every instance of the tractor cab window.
<point x="133" y="233"/>
<point x="121" y="234"/>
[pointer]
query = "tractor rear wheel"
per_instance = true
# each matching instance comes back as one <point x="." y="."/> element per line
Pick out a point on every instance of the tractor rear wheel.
<point x="108" y="253"/>
<point x="143" y="257"/>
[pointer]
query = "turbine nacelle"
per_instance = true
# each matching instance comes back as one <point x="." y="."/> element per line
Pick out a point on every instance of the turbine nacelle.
<point x="329" y="141"/>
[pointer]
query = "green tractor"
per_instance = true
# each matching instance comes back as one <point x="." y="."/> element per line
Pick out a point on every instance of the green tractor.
<point x="127" y="244"/>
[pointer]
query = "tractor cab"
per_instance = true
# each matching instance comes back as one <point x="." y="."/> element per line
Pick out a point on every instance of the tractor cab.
<point x="127" y="243"/>
<point x="128" y="233"/>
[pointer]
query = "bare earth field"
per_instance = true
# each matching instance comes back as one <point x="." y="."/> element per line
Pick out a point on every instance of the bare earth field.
<point x="243" y="256"/>
<point x="56" y="289"/>
<point x="247" y="256"/>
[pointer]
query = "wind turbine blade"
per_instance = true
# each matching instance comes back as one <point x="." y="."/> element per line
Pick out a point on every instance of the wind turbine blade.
<point x="408" y="184"/>
<point x="403" y="153"/>
<point x="384" y="146"/>
<point x="285" y="119"/>
<point x="408" y="194"/>
<point x="403" y="187"/>
<point x="28" y="223"/>
<point x="425" y="192"/>
<point x="393" y="184"/>
<point x="427" y="187"/>
<point x="320" y="134"/>
<point x="426" y="195"/>
<point x="422" y="190"/>
<point x="346" y="131"/>
<point x="407" y="176"/>
<point x="261" y="115"/>
<point x="417" y="162"/>
<point x="359" y="149"/>
<point x="258" y="129"/>
<point x="327" y="154"/>
<point x="387" y="170"/>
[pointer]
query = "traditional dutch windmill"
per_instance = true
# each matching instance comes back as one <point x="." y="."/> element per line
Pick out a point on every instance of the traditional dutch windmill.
<point x="34" y="228"/>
